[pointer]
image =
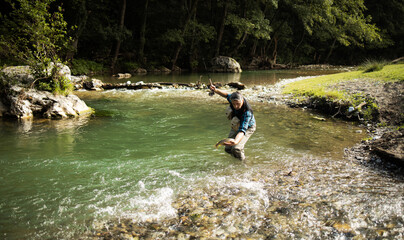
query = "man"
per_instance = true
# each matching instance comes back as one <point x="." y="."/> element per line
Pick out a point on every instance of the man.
<point x="242" y="110"/>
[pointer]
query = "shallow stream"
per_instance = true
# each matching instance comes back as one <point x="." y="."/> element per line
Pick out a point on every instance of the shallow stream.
<point x="60" y="179"/>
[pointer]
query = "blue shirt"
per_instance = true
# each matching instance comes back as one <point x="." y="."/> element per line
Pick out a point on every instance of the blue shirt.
<point x="246" y="117"/>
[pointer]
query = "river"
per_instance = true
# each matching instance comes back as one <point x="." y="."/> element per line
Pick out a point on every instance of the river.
<point x="59" y="179"/>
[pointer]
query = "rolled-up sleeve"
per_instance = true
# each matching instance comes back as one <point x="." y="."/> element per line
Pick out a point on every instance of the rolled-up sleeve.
<point x="246" y="118"/>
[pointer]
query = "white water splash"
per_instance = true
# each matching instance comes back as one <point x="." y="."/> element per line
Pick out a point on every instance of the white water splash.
<point x="156" y="207"/>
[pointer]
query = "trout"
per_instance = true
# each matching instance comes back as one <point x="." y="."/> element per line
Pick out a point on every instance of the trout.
<point x="221" y="142"/>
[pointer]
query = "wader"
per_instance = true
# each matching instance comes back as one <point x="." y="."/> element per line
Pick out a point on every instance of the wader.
<point x="238" y="150"/>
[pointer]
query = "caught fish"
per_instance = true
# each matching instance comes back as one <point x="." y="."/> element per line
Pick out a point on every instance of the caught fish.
<point x="221" y="142"/>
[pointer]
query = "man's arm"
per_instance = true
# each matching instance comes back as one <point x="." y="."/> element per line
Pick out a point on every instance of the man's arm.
<point x="218" y="91"/>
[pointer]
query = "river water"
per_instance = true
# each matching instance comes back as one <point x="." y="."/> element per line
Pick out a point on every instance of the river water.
<point x="59" y="179"/>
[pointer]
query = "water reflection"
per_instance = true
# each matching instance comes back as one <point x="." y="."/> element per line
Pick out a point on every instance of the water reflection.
<point x="28" y="135"/>
<point x="249" y="78"/>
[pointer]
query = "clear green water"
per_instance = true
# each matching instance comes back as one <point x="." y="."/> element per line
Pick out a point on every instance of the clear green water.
<point x="57" y="178"/>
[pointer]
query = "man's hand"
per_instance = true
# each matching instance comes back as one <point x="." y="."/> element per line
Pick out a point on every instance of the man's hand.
<point x="231" y="142"/>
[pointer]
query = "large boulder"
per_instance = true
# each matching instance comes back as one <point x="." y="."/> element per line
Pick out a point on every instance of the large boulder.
<point x="225" y="64"/>
<point x="24" y="103"/>
<point x="23" y="74"/>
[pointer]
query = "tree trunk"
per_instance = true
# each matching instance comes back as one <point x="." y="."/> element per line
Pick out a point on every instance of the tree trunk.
<point x="186" y="25"/>
<point x="221" y="29"/>
<point x="275" y="52"/>
<point x="142" y="38"/>
<point x="294" y="52"/>
<point x="192" y="48"/>
<point x="83" y="12"/>
<point x="234" y="52"/>
<point x="254" y="48"/>
<point x="118" y="44"/>
<point x="331" y="50"/>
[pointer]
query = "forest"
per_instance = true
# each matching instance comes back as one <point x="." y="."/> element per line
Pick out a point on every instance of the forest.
<point x="121" y="35"/>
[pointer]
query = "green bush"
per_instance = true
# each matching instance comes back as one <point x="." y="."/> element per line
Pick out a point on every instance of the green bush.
<point x="372" y="65"/>
<point x="129" y="66"/>
<point x="55" y="83"/>
<point x="86" y="67"/>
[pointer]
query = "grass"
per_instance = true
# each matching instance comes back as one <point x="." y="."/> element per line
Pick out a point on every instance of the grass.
<point x="372" y="65"/>
<point x="319" y="86"/>
<point x="319" y="89"/>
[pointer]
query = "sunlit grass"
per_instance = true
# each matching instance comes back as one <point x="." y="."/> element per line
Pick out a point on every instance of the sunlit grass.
<point x="373" y="65"/>
<point x="319" y="86"/>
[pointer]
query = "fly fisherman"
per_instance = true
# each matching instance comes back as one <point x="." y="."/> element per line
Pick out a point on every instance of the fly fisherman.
<point x="241" y="111"/>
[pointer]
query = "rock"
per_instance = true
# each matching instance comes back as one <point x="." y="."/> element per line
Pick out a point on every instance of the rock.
<point x="165" y="70"/>
<point x="390" y="147"/>
<point x="63" y="70"/>
<point x="123" y="75"/>
<point x="20" y="73"/>
<point x="140" y="71"/>
<point x="225" y="64"/>
<point x="237" y="85"/>
<point x="75" y="79"/>
<point x="94" y="84"/>
<point x="25" y="104"/>
<point x="260" y="63"/>
<point x="176" y="69"/>
<point x="23" y="74"/>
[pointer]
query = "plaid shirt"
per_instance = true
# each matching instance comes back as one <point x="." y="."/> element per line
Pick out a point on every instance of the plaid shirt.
<point x="247" y="118"/>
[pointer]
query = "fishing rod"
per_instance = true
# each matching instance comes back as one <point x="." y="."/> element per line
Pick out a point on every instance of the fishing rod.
<point x="211" y="93"/>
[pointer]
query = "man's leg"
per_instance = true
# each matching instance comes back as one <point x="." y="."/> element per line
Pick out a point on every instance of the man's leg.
<point x="238" y="150"/>
<point x="232" y="134"/>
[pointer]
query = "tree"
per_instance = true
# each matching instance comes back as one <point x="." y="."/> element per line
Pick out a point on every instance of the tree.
<point x="142" y="35"/>
<point x="33" y="34"/>
<point x="184" y="30"/>
<point x="119" y="39"/>
<point x="221" y="28"/>
<point x="78" y="14"/>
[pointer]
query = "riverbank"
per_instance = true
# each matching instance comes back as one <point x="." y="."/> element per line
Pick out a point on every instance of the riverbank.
<point x="373" y="99"/>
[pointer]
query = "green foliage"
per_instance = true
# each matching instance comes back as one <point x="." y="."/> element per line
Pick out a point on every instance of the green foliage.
<point x="372" y="65"/>
<point x="256" y="25"/>
<point x="129" y="66"/>
<point x="370" y="109"/>
<point x="85" y="67"/>
<point x="300" y="31"/>
<point x="32" y="34"/>
<point x="55" y="83"/>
